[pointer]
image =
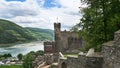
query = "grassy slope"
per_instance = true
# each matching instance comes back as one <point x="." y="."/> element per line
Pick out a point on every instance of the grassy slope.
<point x="11" y="32"/>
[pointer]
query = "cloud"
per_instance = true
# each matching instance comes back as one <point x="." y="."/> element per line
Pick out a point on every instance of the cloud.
<point x="33" y="13"/>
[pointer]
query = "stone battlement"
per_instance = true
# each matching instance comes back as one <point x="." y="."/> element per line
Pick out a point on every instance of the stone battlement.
<point x="49" y="47"/>
<point x="49" y="43"/>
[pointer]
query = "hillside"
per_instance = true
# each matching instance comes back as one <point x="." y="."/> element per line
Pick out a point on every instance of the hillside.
<point x="41" y="34"/>
<point x="11" y="32"/>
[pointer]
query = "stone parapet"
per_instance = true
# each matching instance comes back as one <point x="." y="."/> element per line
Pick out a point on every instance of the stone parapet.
<point x="111" y="52"/>
<point x="108" y="54"/>
<point x="117" y="38"/>
<point x="73" y="62"/>
<point x="82" y="60"/>
<point x="117" y="58"/>
<point x="62" y="63"/>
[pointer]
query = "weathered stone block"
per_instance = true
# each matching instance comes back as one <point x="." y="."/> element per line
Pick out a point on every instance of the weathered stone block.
<point x="72" y="62"/>
<point x="108" y="55"/>
<point x="82" y="61"/>
<point x="94" y="62"/>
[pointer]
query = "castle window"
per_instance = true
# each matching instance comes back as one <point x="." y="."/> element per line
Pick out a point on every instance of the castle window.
<point x="64" y="65"/>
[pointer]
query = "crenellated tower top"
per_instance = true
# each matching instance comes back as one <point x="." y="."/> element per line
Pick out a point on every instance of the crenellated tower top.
<point x="57" y="27"/>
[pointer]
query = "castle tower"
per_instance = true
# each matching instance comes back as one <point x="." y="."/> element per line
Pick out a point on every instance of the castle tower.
<point x="57" y="30"/>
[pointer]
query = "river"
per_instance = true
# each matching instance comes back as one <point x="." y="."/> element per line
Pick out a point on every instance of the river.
<point x="24" y="48"/>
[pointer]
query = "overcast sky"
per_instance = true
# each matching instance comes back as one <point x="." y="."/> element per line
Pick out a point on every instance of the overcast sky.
<point x="41" y="13"/>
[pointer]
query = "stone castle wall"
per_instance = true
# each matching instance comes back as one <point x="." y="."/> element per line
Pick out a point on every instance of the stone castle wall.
<point x="108" y="54"/>
<point x="94" y="62"/>
<point x="81" y="61"/>
<point x="72" y="62"/>
<point x="111" y="52"/>
<point x="66" y="41"/>
<point x="49" y="47"/>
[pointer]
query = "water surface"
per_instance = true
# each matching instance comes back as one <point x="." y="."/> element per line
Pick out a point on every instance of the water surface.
<point x="22" y="48"/>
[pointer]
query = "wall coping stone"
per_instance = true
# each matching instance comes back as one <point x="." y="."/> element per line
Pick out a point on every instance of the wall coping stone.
<point x="72" y="56"/>
<point x="96" y="54"/>
<point x="62" y="58"/>
<point x="110" y="43"/>
<point x="117" y="31"/>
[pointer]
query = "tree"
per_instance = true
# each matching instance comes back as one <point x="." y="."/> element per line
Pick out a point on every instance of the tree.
<point x="7" y="55"/>
<point x="27" y="62"/>
<point x="40" y="52"/>
<point x="99" y="22"/>
<point x="20" y="56"/>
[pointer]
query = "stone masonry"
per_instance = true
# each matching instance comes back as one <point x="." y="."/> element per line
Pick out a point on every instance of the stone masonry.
<point x="111" y="52"/>
<point x="82" y="61"/>
<point x="67" y="41"/>
<point x="49" y="47"/>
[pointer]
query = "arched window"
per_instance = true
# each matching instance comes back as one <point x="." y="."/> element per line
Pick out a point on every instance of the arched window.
<point x="64" y="65"/>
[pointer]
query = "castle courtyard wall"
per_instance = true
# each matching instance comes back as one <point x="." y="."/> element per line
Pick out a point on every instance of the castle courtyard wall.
<point x="82" y="61"/>
<point x="108" y="54"/>
<point x="94" y="62"/>
<point x="111" y="52"/>
<point x="73" y="62"/>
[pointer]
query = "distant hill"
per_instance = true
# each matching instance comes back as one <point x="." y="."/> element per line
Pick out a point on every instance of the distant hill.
<point x="11" y="32"/>
<point x="41" y="34"/>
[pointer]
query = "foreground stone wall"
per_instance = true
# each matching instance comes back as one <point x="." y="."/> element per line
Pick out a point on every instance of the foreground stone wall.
<point x="72" y="62"/>
<point x="111" y="52"/>
<point x="117" y="49"/>
<point x="62" y="62"/>
<point x="108" y="55"/>
<point x="82" y="61"/>
<point x="94" y="62"/>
